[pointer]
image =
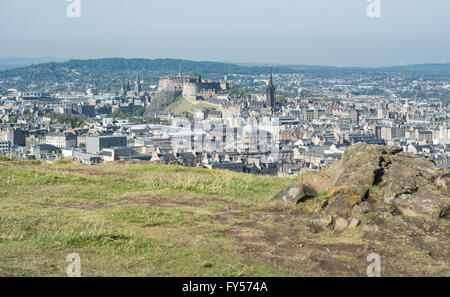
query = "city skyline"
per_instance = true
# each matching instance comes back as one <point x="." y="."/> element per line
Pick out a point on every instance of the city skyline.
<point x="241" y="140"/>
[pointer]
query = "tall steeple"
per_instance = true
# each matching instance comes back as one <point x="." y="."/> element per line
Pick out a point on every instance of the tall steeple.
<point x="138" y="84"/>
<point x="180" y="73"/>
<point x="270" y="93"/>
<point x="124" y="88"/>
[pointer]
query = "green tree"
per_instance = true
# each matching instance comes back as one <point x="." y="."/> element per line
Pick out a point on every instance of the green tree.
<point x="13" y="119"/>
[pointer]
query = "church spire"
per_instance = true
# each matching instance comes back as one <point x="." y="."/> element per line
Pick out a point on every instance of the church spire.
<point x="138" y="84"/>
<point x="180" y="72"/>
<point x="270" y="92"/>
<point x="271" y="78"/>
<point x="124" y="90"/>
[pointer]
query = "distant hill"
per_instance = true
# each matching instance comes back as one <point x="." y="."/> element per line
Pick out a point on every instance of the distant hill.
<point x="440" y="69"/>
<point x="16" y="62"/>
<point x="119" y="68"/>
<point x="108" y="73"/>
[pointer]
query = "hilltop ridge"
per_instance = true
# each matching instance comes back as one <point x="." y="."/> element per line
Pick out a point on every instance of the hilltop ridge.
<point x="109" y="72"/>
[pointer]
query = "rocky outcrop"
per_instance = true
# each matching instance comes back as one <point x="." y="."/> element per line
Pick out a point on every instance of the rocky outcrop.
<point x="295" y="194"/>
<point x="162" y="100"/>
<point x="377" y="179"/>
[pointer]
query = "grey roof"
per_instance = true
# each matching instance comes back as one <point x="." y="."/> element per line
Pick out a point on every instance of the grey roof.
<point x="47" y="147"/>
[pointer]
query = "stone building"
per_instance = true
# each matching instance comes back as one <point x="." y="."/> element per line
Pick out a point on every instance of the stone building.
<point x="192" y="87"/>
<point x="61" y="140"/>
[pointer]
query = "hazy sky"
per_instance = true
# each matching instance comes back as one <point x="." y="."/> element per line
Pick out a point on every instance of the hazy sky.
<point x="319" y="32"/>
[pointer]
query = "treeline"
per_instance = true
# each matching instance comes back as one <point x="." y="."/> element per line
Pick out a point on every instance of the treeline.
<point x="73" y="121"/>
<point x="110" y="72"/>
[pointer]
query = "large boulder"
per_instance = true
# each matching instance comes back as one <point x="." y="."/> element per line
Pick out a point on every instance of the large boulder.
<point x="295" y="194"/>
<point x="341" y="224"/>
<point x="379" y="178"/>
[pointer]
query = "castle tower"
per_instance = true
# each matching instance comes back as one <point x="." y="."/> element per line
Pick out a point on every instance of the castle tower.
<point x="270" y="95"/>
<point x="138" y="85"/>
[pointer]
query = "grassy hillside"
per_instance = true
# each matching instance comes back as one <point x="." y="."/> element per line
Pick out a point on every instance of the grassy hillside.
<point x="182" y="105"/>
<point x="125" y="220"/>
<point x="147" y="220"/>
